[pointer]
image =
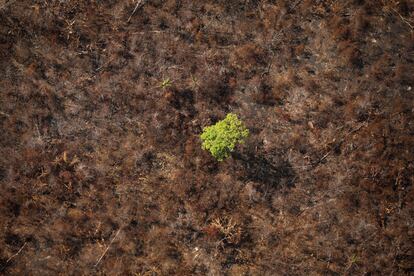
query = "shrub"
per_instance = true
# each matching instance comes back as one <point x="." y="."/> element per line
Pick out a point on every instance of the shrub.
<point x="221" y="139"/>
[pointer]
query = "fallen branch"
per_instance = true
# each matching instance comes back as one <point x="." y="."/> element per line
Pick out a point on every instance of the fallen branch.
<point x="139" y="4"/>
<point x="9" y="259"/>
<point x="317" y="162"/>
<point x="391" y="10"/>
<point x="405" y="20"/>
<point x="106" y="250"/>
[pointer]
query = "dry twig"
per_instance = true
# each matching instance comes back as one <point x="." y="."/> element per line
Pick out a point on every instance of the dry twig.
<point x="107" y="248"/>
<point x="9" y="259"/>
<point x="317" y="162"/>
<point x="139" y="4"/>
<point x="405" y="20"/>
<point x="4" y="114"/>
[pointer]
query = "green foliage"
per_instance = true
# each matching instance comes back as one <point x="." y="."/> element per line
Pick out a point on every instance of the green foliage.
<point x="221" y="139"/>
<point x="165" y="83"/>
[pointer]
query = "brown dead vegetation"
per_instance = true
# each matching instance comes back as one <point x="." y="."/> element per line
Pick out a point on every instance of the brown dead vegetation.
<point x="101" y="167"/>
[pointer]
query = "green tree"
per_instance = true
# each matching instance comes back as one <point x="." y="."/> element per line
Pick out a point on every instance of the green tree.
<point x="221" y="139"/>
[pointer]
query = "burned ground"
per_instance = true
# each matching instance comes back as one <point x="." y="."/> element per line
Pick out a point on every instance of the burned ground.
<point x="96" y="152"/>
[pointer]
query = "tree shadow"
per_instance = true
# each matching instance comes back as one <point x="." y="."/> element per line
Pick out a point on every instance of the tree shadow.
<point x="273" y="172"/>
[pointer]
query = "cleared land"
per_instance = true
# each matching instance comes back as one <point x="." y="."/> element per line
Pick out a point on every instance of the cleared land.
<point x="101" y="166"/>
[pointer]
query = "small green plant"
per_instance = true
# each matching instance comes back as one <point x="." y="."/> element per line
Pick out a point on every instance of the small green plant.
<point x="165" y="83"/>
<point x="353" y="260"/>
<point x="221" y="139"/>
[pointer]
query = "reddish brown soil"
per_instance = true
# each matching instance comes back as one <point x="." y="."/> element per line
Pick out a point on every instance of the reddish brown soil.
<point x="96" y="156"/>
